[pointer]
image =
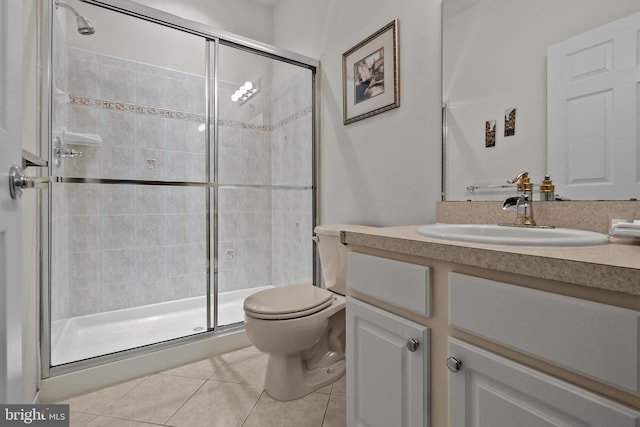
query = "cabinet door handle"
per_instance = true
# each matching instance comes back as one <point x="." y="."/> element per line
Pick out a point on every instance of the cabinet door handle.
<point x="413" y="344"/>
<point x="454" y="364"/>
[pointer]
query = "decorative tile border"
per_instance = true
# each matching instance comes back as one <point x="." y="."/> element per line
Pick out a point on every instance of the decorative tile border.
<point x="292" y="118"/>
<point x="136" y="109"/>
<point x="179" y="115"/>
<point x="239" y="124"/>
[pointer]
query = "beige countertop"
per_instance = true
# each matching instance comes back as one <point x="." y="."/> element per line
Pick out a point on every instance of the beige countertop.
<point x="614" y="267"/>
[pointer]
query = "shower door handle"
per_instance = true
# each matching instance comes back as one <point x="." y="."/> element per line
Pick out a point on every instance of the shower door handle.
<point x="18" y="182"/>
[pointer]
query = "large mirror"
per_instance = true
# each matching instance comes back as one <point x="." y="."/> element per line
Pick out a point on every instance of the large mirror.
<point x="495" y="70"/>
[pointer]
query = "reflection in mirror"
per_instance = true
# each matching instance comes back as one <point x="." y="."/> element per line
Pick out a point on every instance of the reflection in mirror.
<point x="495" y="60"/>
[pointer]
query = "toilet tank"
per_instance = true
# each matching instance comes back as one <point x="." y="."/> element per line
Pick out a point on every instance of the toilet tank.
<point x="333" y="256"/>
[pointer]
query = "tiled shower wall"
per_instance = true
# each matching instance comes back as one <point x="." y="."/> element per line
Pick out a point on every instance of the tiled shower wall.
<point x="59" y="253"/>
<point x="291" y="163"/>
<point x="125" y="245"/>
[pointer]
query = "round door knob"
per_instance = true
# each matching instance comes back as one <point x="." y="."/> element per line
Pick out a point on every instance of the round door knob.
<point x="454" y="364"/>
<point x="412" y="344"/>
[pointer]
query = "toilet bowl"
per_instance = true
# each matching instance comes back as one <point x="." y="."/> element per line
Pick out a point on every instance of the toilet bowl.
<point x="302" y="327"/>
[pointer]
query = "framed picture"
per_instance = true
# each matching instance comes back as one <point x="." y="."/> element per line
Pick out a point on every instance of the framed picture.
<point x="370" y="75"/>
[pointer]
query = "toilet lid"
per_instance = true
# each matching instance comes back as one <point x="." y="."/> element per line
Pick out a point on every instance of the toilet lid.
<point x="287" y="302"/>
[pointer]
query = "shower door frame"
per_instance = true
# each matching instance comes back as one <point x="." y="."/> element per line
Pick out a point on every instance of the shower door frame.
<point x="213" y="40"/>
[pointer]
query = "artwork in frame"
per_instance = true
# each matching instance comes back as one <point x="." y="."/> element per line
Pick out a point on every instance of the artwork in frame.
<point x="370" y="75"/>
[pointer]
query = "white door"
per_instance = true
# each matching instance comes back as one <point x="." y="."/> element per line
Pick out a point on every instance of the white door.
<point x="491" y="391"/>
<point x="387" y="379"/>
<point x="593" y="91"/>
<point x="10" y="225"/>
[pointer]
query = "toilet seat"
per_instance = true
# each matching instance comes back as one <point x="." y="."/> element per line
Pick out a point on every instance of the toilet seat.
<point x="289" y="302"/>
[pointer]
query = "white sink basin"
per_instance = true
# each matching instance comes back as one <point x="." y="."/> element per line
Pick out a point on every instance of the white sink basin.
<point x="504" y="235"/>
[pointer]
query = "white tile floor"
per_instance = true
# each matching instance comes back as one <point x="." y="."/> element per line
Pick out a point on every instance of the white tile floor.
<point x="223" y="391"/>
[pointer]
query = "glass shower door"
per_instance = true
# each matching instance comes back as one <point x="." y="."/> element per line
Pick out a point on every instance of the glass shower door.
<point x="264" y="177"/>
<point x="177" y="188"/>
<point x="129" y="205"/>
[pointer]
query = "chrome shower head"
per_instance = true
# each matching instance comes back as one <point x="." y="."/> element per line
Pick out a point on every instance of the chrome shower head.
<point x="84" y="26"/>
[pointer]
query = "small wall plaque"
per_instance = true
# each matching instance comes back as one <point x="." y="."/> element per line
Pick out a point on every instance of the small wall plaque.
<point x="509" y="122"/>
<point x="490" y="133"/>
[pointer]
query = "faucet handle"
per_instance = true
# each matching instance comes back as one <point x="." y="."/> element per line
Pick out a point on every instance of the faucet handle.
<point x="518" y="178"/>
<point x="523" y="181"/>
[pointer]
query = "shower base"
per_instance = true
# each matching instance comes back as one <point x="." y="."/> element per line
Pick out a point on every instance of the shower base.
<point x="83" y="337"/>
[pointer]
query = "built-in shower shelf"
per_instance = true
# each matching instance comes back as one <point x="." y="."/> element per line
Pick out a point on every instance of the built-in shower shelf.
<point x="78" y="138"/>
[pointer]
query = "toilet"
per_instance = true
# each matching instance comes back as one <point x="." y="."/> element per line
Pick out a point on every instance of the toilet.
<point x="302" y="327"/>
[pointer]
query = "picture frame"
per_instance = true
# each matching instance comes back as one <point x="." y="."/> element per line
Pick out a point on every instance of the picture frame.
<point x="371" y="75"/>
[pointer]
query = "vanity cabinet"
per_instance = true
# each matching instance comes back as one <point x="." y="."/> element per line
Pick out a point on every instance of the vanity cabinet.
<point x="491" y="391"/>
<point x="502" y="354"/>
<point x="387" y="355"/>
<point x="387" y="369"/>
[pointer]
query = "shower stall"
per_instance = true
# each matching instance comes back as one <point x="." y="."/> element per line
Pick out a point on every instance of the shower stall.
<point x="182" y="179"/>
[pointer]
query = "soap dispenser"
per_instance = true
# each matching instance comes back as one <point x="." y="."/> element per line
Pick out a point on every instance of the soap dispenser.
<point x="547" y="189"/>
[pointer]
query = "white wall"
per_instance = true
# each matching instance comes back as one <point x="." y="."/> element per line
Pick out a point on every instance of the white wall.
<point x="294" y="33"/>
<point x="134" y="39"/>
<point x="300" y="26"/>
<point x="248" y="19"/>
<point x="384" y="170"/>
<point x="137" y="40"/>
<point x="244" y="18"/>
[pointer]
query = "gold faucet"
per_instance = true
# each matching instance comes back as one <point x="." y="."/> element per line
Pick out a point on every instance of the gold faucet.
<point x="523" y="203"/>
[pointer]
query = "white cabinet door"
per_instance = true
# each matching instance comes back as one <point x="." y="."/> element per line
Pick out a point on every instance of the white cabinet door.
<point x="491" y="391"/>
<point x="593" y="93"/>
<point x="387" y="377"/>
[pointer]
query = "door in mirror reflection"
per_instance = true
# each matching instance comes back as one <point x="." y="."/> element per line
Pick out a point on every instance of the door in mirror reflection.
<point x="593" y="97"/>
